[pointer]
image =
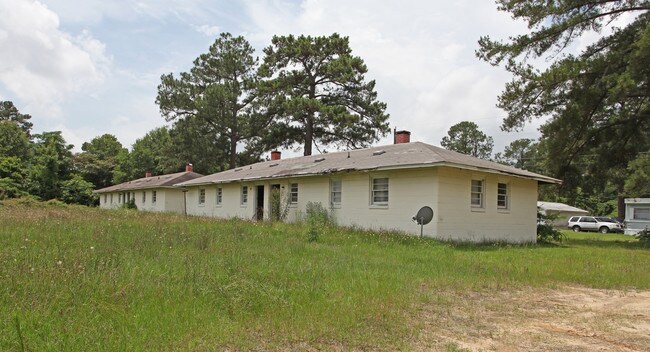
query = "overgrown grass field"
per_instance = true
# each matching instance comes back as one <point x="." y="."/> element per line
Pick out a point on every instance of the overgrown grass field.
<point x="77" y="279"/>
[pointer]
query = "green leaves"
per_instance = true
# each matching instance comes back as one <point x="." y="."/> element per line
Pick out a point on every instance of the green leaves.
<point x="317" y="86"/>
<point x="596" y="103"/>
<point x="465" y="137"/>
<point x="216" y="96"/>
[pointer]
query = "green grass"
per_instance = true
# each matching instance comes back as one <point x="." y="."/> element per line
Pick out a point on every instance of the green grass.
<point x="76" y="279"/>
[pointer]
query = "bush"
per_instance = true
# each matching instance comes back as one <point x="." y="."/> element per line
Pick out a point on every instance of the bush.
<point x="644" y="236"/>
<point x="130" y="204"/>
<point x="317" y="217"/>
<point x="279" y="205"/>
<point x="78" y="191"/>
<point x="545" y="231"/>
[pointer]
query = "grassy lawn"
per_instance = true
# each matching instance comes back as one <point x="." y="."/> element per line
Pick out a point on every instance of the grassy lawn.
<point x="76" y="279"/>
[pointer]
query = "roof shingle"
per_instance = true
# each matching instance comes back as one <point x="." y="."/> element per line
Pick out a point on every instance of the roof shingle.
<point x="162" y="181"/>
<point x="394" y="156"/>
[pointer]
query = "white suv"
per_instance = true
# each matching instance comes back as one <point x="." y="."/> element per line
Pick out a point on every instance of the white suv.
<point x="590" y="223"/>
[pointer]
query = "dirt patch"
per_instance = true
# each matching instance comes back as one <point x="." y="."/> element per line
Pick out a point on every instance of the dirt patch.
<point x="565" y="319"/>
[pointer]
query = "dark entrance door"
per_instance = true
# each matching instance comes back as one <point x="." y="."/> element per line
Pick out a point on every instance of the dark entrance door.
<point x="259" y="203"/>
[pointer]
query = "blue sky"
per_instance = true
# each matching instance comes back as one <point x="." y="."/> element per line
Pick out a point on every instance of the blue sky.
<point x="92" y="67"/>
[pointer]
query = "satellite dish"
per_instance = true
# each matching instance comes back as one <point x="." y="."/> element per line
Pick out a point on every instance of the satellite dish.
<point x="423" y="217"/>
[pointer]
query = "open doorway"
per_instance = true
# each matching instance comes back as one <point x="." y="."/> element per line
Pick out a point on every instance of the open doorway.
<point x="259" y="203"/>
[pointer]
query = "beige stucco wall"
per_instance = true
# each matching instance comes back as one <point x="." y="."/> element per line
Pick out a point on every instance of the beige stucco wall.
<point x="230" y="207"/>
<point x="446" y="190"/>
<point x="167" y="200"/>
<point x="408" y="190"/>
<point x="458" y="220"/>
<point x="105" y="201"/>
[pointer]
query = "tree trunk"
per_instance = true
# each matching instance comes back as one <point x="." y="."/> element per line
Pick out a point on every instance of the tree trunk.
<point x="309" y="135"/>
<point x="621" y="207"/>
<point x="309" y="126"/>
<point x="233" y="151"/>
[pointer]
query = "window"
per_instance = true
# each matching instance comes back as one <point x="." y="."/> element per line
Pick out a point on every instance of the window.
<point x="219" y="196"/>
<point x="244" y="195"/>
<point x="477" y="193"/>
<point x="153" y="197"/>
<point x="293" y="195"/>
<point x="119" y="197"/>
<point x="201" y="196"/>
<point x="641" y="214"/>
<point x="144" y="197"/>
<point x="335" y="193"/>
<point x="111" y="198"/>
<point x="502" y="196"/>
<point x="379" y="191"/>
<point x="105" y="198"/>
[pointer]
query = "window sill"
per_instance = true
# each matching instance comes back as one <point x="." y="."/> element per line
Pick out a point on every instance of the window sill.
<point x="243" y="205"/>
<point x="202" y="205"/>
<point x="478" y="210"/>
<point x="378" y="206"/>
<point x="219" y="205"/>
<point x="335" y="206"/>
<point x="503" y="211"/>
<point x="293" y="205"/>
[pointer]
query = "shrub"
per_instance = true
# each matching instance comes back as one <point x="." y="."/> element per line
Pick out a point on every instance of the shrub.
<point x="545" y="231"/>
<point x="317" y="217"/>
<point x="130" y="204"/>
<point x="279" y="205"/>
<point x="78" y="191"/>
<point x="644" y="236"/>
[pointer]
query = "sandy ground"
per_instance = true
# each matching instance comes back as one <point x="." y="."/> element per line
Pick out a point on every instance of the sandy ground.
<point x="563" y="319"/>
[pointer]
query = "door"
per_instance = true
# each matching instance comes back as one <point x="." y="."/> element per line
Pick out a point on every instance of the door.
<point x="259" y="203"/>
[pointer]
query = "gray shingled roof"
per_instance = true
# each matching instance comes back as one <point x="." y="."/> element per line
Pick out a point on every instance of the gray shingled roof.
<point x="559" y="207"/>
<point x="162" y="181"/>
<point x="394" y="156"/>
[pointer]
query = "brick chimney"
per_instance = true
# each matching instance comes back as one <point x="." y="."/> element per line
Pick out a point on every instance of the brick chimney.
<point x="276" y="155"/>
<point x="402" y="137"/>
<point x="147" y="174"/>
<point x="188" y="167"/>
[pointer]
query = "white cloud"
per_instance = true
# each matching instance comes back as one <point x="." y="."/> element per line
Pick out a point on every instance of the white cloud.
<point x="208" y="30"/>
<point x="41" y="64"/>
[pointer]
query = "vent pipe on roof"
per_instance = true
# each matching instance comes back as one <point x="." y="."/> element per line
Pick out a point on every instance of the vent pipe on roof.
<point x="402" y="137"/>
<point x="188" y="168"/>
<point x="147" y="174"/>
<point x="276" y="155"/>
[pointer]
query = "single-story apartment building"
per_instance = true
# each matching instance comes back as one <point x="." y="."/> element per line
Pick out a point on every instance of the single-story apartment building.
<point x="637" y="215"/>
<point x="560" y="212"/>
<point x="382" y="188"/>
<point x="150" y="193"/>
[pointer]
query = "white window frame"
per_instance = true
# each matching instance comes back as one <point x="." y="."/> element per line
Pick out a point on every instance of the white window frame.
<point x="219" y="196"/>
<point x="201" y="197"/>
<point x="505" y="197"/>
<point x="144" y="197"/>
<point x="293" y="192"/>
<point x="373" y="190"/>
<point x="481" y="194"/>
<point x="111" y="198"/>
<point x="244" y="196"/>
<point x="153" y="197"/>
<point x="333" y="203"/>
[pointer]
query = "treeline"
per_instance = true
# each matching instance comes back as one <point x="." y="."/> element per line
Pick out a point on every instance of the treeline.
<point x="593" y="180"/>
<point x="227" y="110"/>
